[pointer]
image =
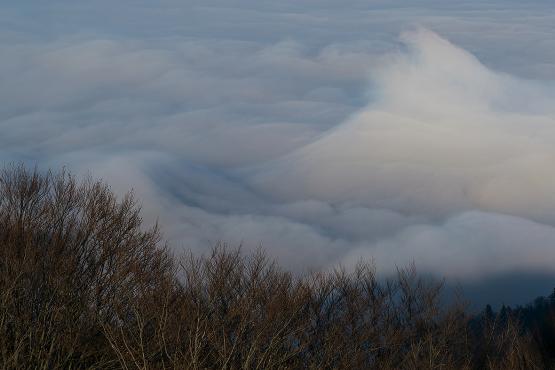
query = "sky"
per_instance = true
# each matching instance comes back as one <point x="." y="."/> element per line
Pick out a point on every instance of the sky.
<point x="326" y="131"/>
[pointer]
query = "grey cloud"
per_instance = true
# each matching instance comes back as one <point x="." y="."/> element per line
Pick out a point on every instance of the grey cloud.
<point x="438" y="139"/>
<point x="468" y="246"/>
<point x="309" y="127"/>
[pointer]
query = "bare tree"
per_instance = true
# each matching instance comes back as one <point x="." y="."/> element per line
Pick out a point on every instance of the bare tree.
<point x="84" y="285"/>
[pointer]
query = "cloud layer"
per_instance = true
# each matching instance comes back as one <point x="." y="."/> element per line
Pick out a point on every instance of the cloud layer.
<point x="313" y="128"/>
<point x="464" y="151"/>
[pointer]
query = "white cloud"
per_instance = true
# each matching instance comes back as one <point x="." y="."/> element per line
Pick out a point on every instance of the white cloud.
<point x="250" y="122"/>
<point x="444" y="137"/>
<point x="445" y="134"/>
<point x="468" y="246"/>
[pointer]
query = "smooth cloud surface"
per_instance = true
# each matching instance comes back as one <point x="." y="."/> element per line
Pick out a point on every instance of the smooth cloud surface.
<point x="310" y="128"/>
<point x="466" y="150"/>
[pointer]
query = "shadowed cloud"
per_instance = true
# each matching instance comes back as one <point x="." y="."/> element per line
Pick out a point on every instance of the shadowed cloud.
<point x="313" y="129"/>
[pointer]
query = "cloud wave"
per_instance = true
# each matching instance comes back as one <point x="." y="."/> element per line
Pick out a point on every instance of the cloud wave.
<point x="466" y="151"/>
<point x="309" y="128"/>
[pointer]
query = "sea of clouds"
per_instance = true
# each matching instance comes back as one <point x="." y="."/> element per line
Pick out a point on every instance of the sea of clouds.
<point x="326" y="131"/>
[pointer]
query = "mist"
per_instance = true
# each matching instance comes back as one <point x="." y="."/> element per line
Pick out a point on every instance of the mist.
<point x="324" y="132"/>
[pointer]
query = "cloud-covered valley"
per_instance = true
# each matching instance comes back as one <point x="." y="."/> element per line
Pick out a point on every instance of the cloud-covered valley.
<point x="327" y="134"/>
